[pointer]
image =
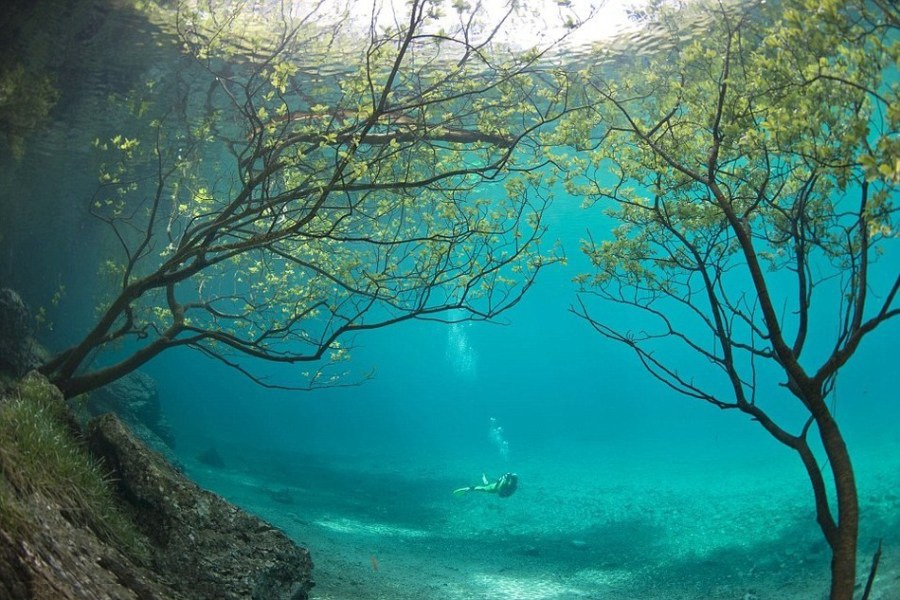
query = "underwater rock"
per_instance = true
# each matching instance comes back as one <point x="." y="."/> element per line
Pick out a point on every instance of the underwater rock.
<point x="208" y="548"/>
<point x="211" y="458"/>
<point x="59" y="539"/>
<point x="18" y="351"/>
<point x="56" y="539"/>
<point x="63" y="561"/>
<point x="135" y="399"/>
<point x="14" y="575"/>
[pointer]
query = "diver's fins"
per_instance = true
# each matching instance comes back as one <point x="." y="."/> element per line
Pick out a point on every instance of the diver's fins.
<point x="461" y="490"/>
<point x="484" y="479"/>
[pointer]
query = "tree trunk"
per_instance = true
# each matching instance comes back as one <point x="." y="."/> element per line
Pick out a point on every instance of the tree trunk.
<point x="844" y="539"/>
<point x="72" y="385"/>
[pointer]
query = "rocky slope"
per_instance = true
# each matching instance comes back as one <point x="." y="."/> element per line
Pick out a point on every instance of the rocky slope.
<point x="190" y="544"/>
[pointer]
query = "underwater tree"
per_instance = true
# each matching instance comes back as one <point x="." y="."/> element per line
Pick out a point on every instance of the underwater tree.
<point x="752" y="178"/>
<point x="312" y="177"/>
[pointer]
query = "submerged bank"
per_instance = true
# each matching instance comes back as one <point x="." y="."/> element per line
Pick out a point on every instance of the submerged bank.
<point x="94" y="514"/>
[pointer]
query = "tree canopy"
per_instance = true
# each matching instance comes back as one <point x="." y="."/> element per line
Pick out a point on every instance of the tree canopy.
<point x="271" y="204"/>
<point x="751" y="177"/>
<point x="759" y="151"/>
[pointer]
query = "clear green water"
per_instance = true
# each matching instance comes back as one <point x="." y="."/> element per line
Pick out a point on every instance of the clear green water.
<point x="627" y="490"/>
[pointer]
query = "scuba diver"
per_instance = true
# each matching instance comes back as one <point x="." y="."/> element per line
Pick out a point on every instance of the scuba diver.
<point x="503" y="487"/>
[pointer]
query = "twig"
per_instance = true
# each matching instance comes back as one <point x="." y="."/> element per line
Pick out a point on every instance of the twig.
<point x="872" y="571"/>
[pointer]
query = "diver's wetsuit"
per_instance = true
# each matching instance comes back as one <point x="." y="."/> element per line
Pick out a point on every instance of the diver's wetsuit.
<point x="503" y="487"/>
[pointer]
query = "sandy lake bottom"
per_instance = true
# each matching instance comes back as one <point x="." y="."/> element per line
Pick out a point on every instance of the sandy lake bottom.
<point x="580" y="526"/>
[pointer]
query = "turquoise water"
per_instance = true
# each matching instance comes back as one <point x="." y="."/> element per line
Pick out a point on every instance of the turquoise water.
<point x="687" y="496"/>
<point x="672" y="498"/>
<point x="627" y="490"/>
